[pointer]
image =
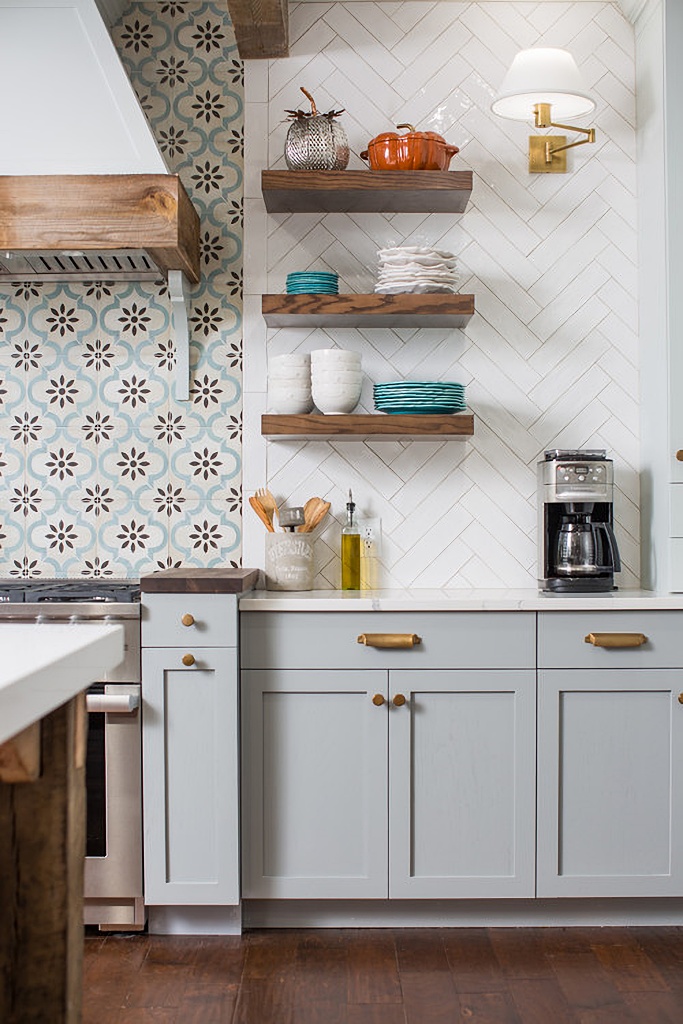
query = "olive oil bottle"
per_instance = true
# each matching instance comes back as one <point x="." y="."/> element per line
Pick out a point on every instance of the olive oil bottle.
<point x="350" y="549"/>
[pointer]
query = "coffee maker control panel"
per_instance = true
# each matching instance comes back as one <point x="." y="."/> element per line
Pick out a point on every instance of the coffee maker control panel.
<point x="574" y="480"/>
<point x="575" y="475"/>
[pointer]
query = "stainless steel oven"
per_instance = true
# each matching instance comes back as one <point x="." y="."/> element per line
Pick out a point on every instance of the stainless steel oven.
<point x="113" y="865"/>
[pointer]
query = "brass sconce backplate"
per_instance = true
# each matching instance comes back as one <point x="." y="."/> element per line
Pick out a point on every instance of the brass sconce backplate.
<point x="539" y="146"/>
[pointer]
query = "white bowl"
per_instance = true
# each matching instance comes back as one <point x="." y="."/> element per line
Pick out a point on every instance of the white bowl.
<point x="289" y="390"/>
<point x="289" y="405"/>
<point x="341" y="376"/>
<point x="338" y="406"/>
<point x="290" y="359"/>
<point x="338" y="398"/>
<point x="300" y="373"/>
<point x="336" y="356"/>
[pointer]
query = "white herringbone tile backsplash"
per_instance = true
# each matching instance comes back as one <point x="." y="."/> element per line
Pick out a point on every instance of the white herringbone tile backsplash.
<point x="550" y="358"/>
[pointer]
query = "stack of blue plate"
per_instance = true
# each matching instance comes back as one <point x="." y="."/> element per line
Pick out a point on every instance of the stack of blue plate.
<point x="312" y="282"/>
<point x="420" y="397"/>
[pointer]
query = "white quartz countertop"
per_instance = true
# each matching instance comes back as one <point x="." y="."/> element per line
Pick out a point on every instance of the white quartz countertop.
<point x="454" y="600"/>
<point x="43" y="665"/>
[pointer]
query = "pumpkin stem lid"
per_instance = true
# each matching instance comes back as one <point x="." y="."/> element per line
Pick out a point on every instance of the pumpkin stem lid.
<point x="299" y="115"/>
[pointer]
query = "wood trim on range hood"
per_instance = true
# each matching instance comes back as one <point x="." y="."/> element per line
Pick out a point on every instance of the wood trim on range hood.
<point x="97" y="227"/>
<point x="101" y="213"/>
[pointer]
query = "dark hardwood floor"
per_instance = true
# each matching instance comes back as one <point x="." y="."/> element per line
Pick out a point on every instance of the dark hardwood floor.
<point x="389" y="976"/>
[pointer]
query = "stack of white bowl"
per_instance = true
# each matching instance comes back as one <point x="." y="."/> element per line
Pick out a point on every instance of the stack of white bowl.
<point x="336" y="380"/>
<point x="289" y="384"/>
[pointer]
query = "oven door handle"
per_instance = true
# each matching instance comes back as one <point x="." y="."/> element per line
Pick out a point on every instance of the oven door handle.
<point x="112" y="703"/>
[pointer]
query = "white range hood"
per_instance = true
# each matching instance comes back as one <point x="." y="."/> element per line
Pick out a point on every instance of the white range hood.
<point x="84" y="190"/>
<point x="68" y="105"/>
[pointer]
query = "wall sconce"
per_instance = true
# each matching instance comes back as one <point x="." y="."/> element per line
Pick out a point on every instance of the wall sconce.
<point x="539" y="79"/>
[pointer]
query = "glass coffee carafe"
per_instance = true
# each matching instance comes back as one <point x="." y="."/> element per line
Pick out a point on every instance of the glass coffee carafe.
<point x="583" y="547"/>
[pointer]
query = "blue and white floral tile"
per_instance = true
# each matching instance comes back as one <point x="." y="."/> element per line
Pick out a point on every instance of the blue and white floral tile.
<point x="204" y="534"/>
<point x="204" y="469"/>
<point x="59" y="537"/>
<point x="133" y="468"/>
<point x="12" y="405"/>
<point x="60" y="469"/>
<point x="12" y="474"/>
<point x="61" y="315"/>
<point x="132" y="540"/>
<point x="12" y="542"/>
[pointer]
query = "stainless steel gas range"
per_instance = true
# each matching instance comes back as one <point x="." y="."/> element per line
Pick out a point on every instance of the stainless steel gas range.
<point x="113" y="866"/>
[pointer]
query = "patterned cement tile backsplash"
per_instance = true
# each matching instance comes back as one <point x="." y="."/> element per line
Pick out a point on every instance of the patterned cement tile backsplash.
<point x="102" y="471"/>
<point x="550" y="358"/>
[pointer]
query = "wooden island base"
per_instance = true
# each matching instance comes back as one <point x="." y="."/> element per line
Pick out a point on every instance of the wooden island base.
<point x="42" y="847"/>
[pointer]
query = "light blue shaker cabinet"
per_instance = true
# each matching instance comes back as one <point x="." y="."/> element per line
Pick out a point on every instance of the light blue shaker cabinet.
<point x="375" y="772"/>
<point x="190" y="749"/>
<point x="610" y="756"/>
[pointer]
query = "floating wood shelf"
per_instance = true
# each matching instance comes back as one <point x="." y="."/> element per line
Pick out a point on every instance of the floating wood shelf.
<point x="366" y="191"/>
<point x="434" y="309"/>
<point x="357" y="426"/>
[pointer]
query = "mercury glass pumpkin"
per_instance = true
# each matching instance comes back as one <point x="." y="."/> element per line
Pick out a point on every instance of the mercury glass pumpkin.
<point x="316" y="142"/>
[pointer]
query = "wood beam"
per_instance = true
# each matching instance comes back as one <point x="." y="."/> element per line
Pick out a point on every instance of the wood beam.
<point x="261" y="27"/>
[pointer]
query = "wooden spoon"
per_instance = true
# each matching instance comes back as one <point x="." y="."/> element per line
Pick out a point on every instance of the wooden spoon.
<point x="319" y="514"/>
<point x="261" y="513"/>
<point x="314" y="510"/>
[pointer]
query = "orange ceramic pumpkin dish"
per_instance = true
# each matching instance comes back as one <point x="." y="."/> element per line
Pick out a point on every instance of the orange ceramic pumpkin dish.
<point x="415" y="151"/>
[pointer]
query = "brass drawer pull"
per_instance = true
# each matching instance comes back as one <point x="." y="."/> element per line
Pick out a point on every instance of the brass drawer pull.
<point x="616" y="639"/>
<point x="188" y="659"/>
<point x="398" y="701"/>
<point x="187" y="619"/>
<point x="378" y="700"/>
<point x="403" y="640"/>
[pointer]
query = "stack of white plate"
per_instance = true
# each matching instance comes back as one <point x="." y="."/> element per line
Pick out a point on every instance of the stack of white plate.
<point x="336" y="380"/>
<point x="289" y="384"/>
<point x="414" y="268"/>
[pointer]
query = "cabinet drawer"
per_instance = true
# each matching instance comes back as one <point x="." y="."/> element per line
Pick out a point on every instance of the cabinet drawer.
<point x="562" y="643"/>
<point x="213" y="620"/>
<point x="329" y="640"/>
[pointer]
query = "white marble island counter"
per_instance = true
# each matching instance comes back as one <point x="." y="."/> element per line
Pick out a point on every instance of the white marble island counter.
<point x="456" y="600"/>
<point x="44" y="665"/>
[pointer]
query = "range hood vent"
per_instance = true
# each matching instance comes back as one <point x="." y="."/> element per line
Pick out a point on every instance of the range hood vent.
<point x="46" y="265"/>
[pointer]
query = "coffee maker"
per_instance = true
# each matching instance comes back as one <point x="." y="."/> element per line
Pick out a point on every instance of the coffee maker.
<point x="578" y="551"/>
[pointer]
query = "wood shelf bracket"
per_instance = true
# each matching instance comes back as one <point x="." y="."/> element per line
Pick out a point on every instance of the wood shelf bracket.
<point x="179" y="292"/>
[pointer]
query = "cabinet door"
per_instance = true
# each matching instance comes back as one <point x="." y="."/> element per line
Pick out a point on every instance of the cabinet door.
<point x="610" y="773"/>
<point x="190" y="777"/>
<point x="314" y="798"/>
<point x="462" y="784"/>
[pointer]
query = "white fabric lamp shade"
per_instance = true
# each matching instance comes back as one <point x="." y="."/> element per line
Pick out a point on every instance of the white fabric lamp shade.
<point x="543" y="75"/>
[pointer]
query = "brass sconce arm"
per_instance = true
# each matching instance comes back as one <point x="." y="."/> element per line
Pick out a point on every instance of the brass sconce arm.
<point x="542" y="149"/>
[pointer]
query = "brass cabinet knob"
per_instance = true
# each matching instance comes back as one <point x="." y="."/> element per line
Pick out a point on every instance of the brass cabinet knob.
<point x="188" y="659"/>
<point x="680" y="698"/>
<point x="378" y="700"/>
<point x="398" y="700"/>
<point x="616" y="639"/>
<point x="679" y="454"/>
<point x="389" y="639"/>
<point x="187" y="620"/>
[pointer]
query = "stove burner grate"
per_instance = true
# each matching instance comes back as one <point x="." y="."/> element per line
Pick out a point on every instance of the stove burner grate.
<point x="62" y="590"/>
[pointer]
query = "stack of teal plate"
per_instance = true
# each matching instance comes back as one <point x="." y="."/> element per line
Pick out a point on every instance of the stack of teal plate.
<point x="424" y="396"/>
<point x="312" y="282"/>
